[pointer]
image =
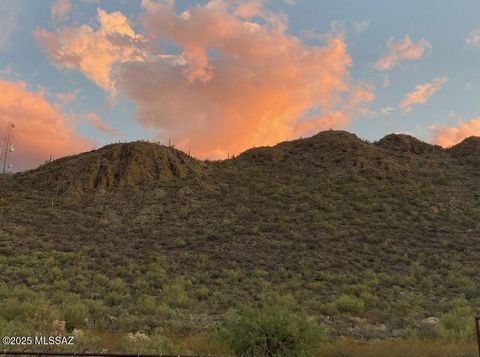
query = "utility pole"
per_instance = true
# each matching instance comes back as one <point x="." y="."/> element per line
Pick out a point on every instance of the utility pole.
<point x="7" y="145"/>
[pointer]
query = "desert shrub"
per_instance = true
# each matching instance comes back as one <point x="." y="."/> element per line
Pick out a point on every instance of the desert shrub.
<point x="273" y="332"/>
<point x="74" y="315"/>
<point x="14" y="328"/>
<point x="175" y="295"/>
<point x="349" y="304"/>
<point x="457" y="325"/>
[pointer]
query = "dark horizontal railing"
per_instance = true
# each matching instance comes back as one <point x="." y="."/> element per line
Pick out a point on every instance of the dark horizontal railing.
<point x="92" y="354"/>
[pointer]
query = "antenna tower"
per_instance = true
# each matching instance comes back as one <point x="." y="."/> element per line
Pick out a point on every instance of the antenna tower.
<point x="7" y="146"/>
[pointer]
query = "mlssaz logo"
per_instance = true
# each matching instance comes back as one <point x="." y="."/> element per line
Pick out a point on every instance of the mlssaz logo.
<point x="54" y="340"/>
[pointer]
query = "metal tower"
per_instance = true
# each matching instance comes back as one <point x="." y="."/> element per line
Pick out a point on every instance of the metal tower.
<point x="7" y="146"/>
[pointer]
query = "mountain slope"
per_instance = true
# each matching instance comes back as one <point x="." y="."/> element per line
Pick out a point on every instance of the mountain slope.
<point x="118" y="165"/>
<point x="371" y="239"/>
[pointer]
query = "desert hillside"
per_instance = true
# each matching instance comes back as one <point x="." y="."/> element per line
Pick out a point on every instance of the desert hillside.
<point x="373" y="240"/>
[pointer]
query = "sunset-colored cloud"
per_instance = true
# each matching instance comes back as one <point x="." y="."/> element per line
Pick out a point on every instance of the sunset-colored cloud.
<point x="64" y="98"/>
<point x="402" y="50"/>
<point x="94" y="52"/>
<point x="40" y="130"/>
<point x="95" y="121"/>
<point x="239" y="81"/>
<point x="422" y="93"/>
<point x="449" y="136"/>
<point x="59" y="9"/>
<point x="249" y="9"/>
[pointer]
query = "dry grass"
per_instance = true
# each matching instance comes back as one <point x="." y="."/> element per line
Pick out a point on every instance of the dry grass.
<point x="400" y="348"/>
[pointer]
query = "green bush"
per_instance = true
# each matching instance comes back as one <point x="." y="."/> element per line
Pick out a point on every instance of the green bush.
<point x="349" y="304"/>
<point x="74" y="315"/>
<point x="273" y="332"/>
<point x="457" y="325"/>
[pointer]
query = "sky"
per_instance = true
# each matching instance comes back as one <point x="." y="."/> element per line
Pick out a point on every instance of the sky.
<point x="217" y="77"/>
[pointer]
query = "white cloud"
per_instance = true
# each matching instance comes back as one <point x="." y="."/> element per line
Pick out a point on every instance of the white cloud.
<point x="387" y="110"/>
<point x="361" y="26"/>
<point x="473" y="39"/>
<point x="468" y="87"/>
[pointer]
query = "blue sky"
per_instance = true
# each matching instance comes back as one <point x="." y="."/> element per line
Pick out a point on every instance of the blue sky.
<point x="367" y="29"/>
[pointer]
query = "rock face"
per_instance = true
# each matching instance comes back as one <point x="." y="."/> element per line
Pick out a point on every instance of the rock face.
<point x="118" y="165"/>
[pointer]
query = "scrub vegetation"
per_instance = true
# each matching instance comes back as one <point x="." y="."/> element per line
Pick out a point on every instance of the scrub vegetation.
<point x="140" y="247"/>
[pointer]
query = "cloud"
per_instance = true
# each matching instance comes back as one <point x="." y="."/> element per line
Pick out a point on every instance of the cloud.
<point x="64" y="98"/>
<point x="473" y="39"/>
<point x="9" y="22"/>
<point x="422" y="93"/>
<point x="361" y="26"/>
<point x="387" y="110"/>
<point x="41" y="129"/>
<point x="239" y="80"/>
<point x="94" y="52"/>
<point x="401" y="50"/>
<point x="468" y="87"/>
<point x="248" y="9"/>
<point x="97" y="123"/>
<point x="59" y="9"/>
<point x="386" y="81"/>
<point x="446" y="137"/>
<point x="257" y="87"/>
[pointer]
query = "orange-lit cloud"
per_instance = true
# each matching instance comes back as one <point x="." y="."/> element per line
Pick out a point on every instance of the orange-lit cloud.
<point x="422" y="93"/>
<point x="60" y="9"/>
<point x="249" y="9"/>
<point x="447" y="137"/>
<point x="401" y="50"/>
<point x="94" y="120"/>
<point x="64" y="98"/>
<point x="240" y="80"/>
<point x="239" y="83"/>
<point x="94" y="52"/>
<point x="40" y="130"/>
